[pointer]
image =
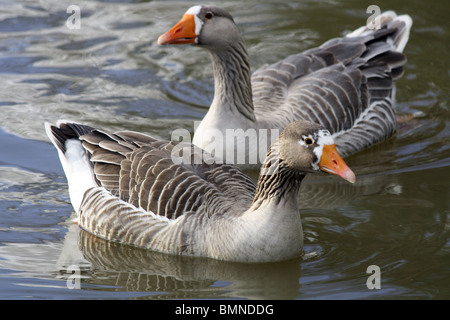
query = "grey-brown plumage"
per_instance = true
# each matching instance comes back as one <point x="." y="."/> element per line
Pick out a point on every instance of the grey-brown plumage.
<point x="174" y="197"/>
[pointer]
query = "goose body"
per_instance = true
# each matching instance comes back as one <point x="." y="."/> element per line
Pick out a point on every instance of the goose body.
<point x="172" y="197"/>
<point x="347" y="85"/>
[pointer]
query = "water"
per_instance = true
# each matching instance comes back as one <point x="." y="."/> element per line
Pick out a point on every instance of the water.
<point x="111" y="74"/>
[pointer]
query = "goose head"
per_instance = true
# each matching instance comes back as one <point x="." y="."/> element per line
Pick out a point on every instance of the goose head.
<point x="203" y="25"/>
<point x="308" y="147"/>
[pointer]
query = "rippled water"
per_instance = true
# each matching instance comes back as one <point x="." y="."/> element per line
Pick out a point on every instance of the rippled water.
<point x="111" y="73"/>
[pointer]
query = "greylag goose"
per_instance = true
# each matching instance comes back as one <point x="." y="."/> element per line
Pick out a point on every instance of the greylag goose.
<point x="347" y="85"/>
<point x="172" y="197"/>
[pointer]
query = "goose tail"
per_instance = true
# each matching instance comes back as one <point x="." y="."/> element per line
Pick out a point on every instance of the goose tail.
<point x="75" y="160"/>
<point x="376" y="52"/>
<point x="388" y="20"/>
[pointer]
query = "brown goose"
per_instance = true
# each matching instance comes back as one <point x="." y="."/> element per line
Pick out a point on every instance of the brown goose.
<point x="347" y="85"/>
<point x="170" y="197"/>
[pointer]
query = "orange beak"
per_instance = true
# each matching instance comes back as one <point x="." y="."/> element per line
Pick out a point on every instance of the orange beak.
<point x="332" y="162"/>
<point x="181" y="33"/>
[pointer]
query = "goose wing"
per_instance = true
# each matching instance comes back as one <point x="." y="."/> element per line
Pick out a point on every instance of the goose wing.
<point x="347" y="85"/>
<point x="150" y="174"/>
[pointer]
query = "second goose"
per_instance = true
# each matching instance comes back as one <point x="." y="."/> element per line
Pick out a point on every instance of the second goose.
<point x="347" y="85"/>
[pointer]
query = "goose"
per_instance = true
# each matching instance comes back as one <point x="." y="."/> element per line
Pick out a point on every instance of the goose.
<point x="347" y="85"/>
<point x="173" y="197"/>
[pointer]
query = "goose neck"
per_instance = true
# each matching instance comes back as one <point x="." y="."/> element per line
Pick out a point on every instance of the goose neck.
<point x="277" y="183"/>
<point x="233" y="80"/>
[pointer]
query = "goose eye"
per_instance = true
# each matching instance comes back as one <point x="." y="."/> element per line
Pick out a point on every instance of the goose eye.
<point x="308" y="141"/>
<point x="209" y="15"/>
